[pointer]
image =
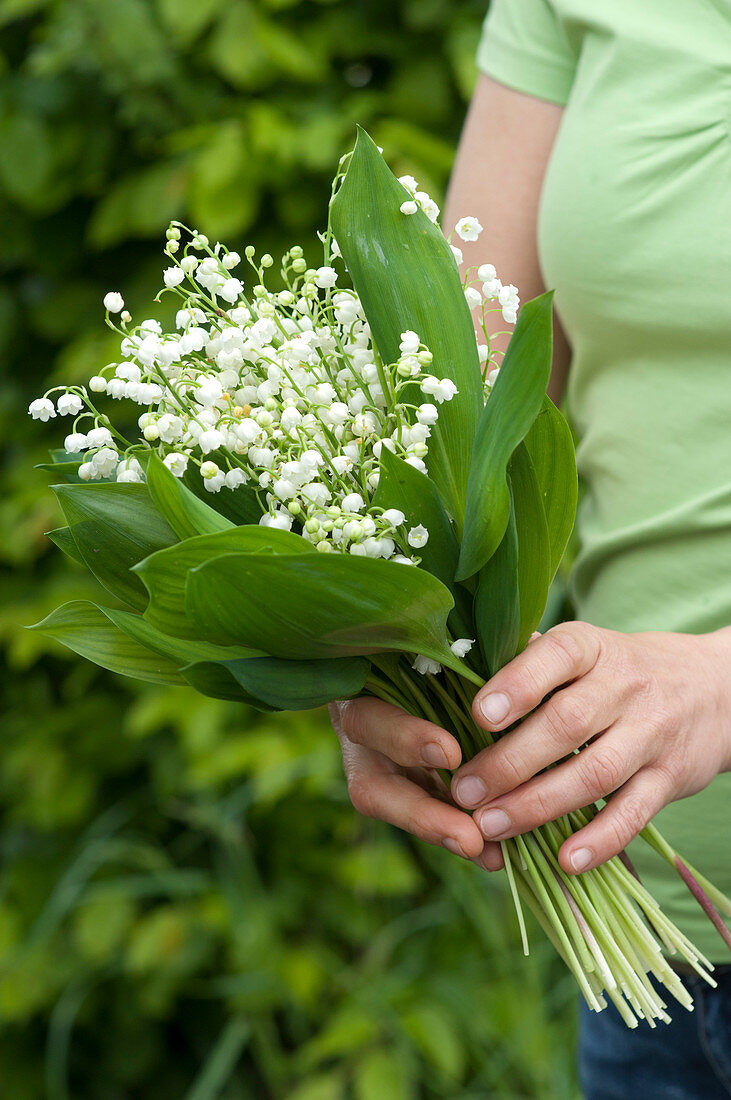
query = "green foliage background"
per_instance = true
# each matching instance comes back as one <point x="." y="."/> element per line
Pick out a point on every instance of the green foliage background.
<point x="189" y="907"/>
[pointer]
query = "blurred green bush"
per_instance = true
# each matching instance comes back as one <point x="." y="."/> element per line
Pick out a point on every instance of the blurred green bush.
<point x="189" y="908"/>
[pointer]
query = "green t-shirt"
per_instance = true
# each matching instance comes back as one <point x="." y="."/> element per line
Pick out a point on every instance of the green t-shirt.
<point x="635" y="235"/>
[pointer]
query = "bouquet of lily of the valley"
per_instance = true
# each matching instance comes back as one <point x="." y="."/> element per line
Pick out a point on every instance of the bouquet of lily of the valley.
<point x="337" y="490"/>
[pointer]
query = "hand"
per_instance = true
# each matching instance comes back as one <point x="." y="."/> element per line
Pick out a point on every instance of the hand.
<point x="390" y="760"/>
<point x="651" y="714"/>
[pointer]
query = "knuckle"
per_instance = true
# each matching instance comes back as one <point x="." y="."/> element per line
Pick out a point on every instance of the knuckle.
<point x="417" y="822"/>
<point x="534" y="677"/>
<point x="669" y="772"/>
<point x="643" y="683"/>
<point x="541" y="809"/>
<point x="507" y="771"/>
<point x="565" y="716"/>
<point x="568" y="640"/>
<point x="628" y="821"/>
<point x="602" y="772"/>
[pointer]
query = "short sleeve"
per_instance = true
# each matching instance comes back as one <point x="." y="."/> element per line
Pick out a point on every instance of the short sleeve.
<point x="524" y="46"/>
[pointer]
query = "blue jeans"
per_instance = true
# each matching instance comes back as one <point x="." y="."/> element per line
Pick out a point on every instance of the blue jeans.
<point x="689" y="1059"/>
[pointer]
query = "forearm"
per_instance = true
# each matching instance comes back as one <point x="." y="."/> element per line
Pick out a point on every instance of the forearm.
<point x="498" y="176"/>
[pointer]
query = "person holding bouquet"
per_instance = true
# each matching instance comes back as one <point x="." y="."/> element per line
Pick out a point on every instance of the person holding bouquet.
<point x="596" y="154"/>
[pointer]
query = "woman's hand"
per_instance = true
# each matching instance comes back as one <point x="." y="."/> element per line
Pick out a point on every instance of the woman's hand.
<point x="650" y="712"/>
<point x="390" y="763"/>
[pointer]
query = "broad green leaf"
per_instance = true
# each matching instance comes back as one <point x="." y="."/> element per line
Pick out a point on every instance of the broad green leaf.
<point x="292" y="685"/>
<point x="69" y="471"/>
<point x="534" y="556"/>
<point x="316" y="605"/>
<point x="497" y="603"/>
<point x="64" y="540"/>
<point x="88" y="631"/>
<point x="511" y="409"/>
<point x="551" y="447"/>
<point x="164" y="574"/>
<point x="180" y="650"/>
<point x="126" y="643"/>
<point x="187" y="515"/>
<point x="115" y="526"/>
<point x="215" y="679"/>
<point x="240" y="506"/>
<point x="406" y="277"/>
<point x="63" y="464"/>
<point x="60" y="454"/>
<point x="401" y="486"/>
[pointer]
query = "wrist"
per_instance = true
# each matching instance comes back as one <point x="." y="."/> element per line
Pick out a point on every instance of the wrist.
<point x="720" y="641"/>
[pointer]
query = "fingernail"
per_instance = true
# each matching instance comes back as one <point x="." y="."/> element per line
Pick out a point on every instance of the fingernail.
<point x="454" y="847"/>
<point x="434" y="755"/>
<point x="494" y="708"/>
<point x="469" y="791"/>
<point x="493" y="823"/>
<point x="581" y="858"/>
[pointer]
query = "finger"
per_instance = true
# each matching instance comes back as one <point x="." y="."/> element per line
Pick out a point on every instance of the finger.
<point x="593" y="774"/>
<point x="558" y="657"/>
<point x="621" y="820"/>
<point x="491" y="857"/>
<point x="407" y="740"/>
<point x="565" y="722"/>
<point x="377" y="791"/>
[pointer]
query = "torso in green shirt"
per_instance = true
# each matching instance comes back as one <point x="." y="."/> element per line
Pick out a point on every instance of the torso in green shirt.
<point x="635" y="235"/>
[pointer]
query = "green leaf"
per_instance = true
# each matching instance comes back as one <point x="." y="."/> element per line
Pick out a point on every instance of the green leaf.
<point x="551" y="447"/>
<point x="187" y="515"/>
<point x="69" y="471"/>
<point x="406" y="277"/>
<point x="64" y="540"/>
<point x="240" y="506"/>
<point x="63" y="464"/>
<point x="317" y="605"/>
<point x="497" y="603"/>
<point x="115" y="526"/>
<point x="534" y="558"/>
<point x="511" y="409"/>
<point x="127" y="644"/>
<point x="291" y="685"/>
<point x="164" y="574"/>
<point x="402" y="486"/>
<point x="179" y="650"/>
<point x="88" y="630"/>
<point x="215" y="679"/>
